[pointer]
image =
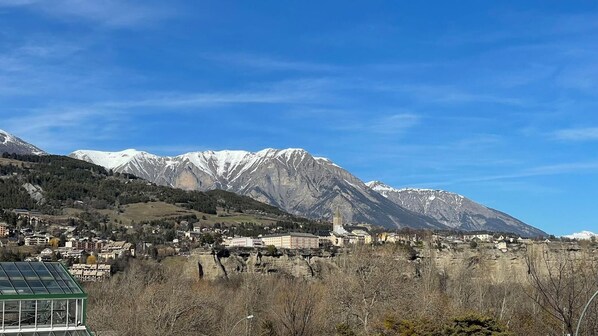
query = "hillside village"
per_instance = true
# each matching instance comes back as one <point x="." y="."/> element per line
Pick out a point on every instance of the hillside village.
<point x="94" y="256"/>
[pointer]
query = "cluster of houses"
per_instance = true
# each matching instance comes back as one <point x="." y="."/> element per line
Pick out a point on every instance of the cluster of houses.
<point x="90" y="272"/>
<point x="75" y="248"/>
<point x="339" y="237"/>
<point x="501" y="242"/>
<point x="93" y="256"/>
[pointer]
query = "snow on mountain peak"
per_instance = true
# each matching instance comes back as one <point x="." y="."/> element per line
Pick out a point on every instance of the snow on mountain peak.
<point x="384" y="189"/>
<point x="583" y="235"/>
<point x="7" y="136"/>
<point x="227" y="164"/>
<point x="111" y="160"/>
<point x="380" y="187"/>
<point x="326" y="161"/>
<point x="13" y="144"/>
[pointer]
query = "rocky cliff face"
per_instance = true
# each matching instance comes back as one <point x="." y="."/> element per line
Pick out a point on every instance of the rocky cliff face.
<point x="486" y="261"/>
<point x="291" y="179"/>
<point x="208" y="266"/>
<point x="454" y="211"/>
<point x="11" y="144"/>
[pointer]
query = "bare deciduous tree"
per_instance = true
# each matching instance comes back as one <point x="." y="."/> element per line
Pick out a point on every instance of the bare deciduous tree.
<point x="562" y="282"/>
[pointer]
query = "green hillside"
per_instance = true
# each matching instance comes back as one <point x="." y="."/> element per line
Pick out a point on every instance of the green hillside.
<point x="70" y="183"/>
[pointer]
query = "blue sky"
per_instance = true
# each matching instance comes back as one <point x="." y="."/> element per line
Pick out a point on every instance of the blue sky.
<point x="494" y="100"/>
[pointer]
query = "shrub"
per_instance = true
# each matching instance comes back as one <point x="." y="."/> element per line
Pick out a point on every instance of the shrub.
<point x="476" y="325"/>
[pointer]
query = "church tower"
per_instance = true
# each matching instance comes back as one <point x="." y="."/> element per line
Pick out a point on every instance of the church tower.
<point x="337" y="222"/>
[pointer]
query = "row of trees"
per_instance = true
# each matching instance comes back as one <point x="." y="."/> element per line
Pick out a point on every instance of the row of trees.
<point x="367" y="292"/>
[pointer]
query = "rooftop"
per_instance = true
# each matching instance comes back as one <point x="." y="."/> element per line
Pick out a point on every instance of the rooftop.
<point x="292" y="234"/>
<point x="33" y="278"/>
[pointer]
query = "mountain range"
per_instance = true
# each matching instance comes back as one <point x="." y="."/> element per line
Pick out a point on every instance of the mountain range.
<point x="299" y="183"/>
<point x="291" y="179"/>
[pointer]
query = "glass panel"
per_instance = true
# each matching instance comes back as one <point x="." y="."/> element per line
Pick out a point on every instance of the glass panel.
<point x="9" y="266"/>
<point x="29" y="274"/>
<point x="42" y="271"/>
<point x="59" y="313"/>
<point x="72" y="285"/>
<point x="43" y="313"/>
<point x="27" y="313"/>
<point x="6" y="287"/>
<point x="64" y="287"/>
<point x="21" y="287"/>
<point x="73" y="312"/>
<point x="14" y="274"/>
<point x="27" y="271"/>
<point x="11" y="315"/>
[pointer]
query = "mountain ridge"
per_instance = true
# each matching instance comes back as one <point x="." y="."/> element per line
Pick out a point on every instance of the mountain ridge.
<point x="302" y="184"/>
<point x="453" y="210"/>
<point x="291" y="179"/>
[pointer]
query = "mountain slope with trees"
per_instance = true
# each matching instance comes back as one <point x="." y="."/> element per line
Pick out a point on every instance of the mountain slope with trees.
<point x="64" y="181"/>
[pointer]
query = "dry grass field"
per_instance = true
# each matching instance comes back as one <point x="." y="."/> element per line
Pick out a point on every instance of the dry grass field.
<point x="139" y="212"/>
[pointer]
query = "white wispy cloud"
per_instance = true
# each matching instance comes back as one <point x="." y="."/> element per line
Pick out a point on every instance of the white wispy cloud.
<point x="451" y="94"/>
<point x="268" y="63"/>
<point x="386" y="125"/>
<point x="577" y="134"/>
<point x="395" y="123"/>
<point x="62" y="130"/>
<point x="74" y="124"/>
<point x="110" y="13"/>
<point x="284" y="92"/>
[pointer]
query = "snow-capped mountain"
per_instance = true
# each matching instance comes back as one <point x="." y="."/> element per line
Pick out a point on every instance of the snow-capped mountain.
<point x="291" y="179"/>
<point x="302" y="184"/>
<point x="453" y="210"/>
<point x="11" y="144"/>
<point x="583" y="235"/>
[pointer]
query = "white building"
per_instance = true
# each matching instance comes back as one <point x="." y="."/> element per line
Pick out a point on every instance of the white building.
<point x="90" y="273"/>
<point x="117" y="249"/>
<point x="245" y="242"/>
<point x="36" y="240"/>
<point x="485" y="237"/>
<point x="292" y="240"/>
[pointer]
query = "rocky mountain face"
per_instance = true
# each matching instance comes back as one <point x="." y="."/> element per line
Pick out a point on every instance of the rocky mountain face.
<point x="453" y="210"/>
<point x="291" y="179"/>
<point x="11" y="144"/>
<point x="301" y="184"/>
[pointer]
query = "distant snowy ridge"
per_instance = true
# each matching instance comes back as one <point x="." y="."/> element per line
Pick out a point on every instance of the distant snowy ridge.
<point x="110" y="160"/>
<point x="583" y="235"/>
<point x="453" y="210"/>
<point x="219" y="164"/>
<point x="384" y="189"/>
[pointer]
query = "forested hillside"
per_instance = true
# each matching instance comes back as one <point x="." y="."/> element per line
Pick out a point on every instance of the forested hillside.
<point x="63" y="181"/>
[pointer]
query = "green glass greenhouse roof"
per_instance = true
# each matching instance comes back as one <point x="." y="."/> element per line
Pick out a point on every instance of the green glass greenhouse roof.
<point x="31" y="278"/>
